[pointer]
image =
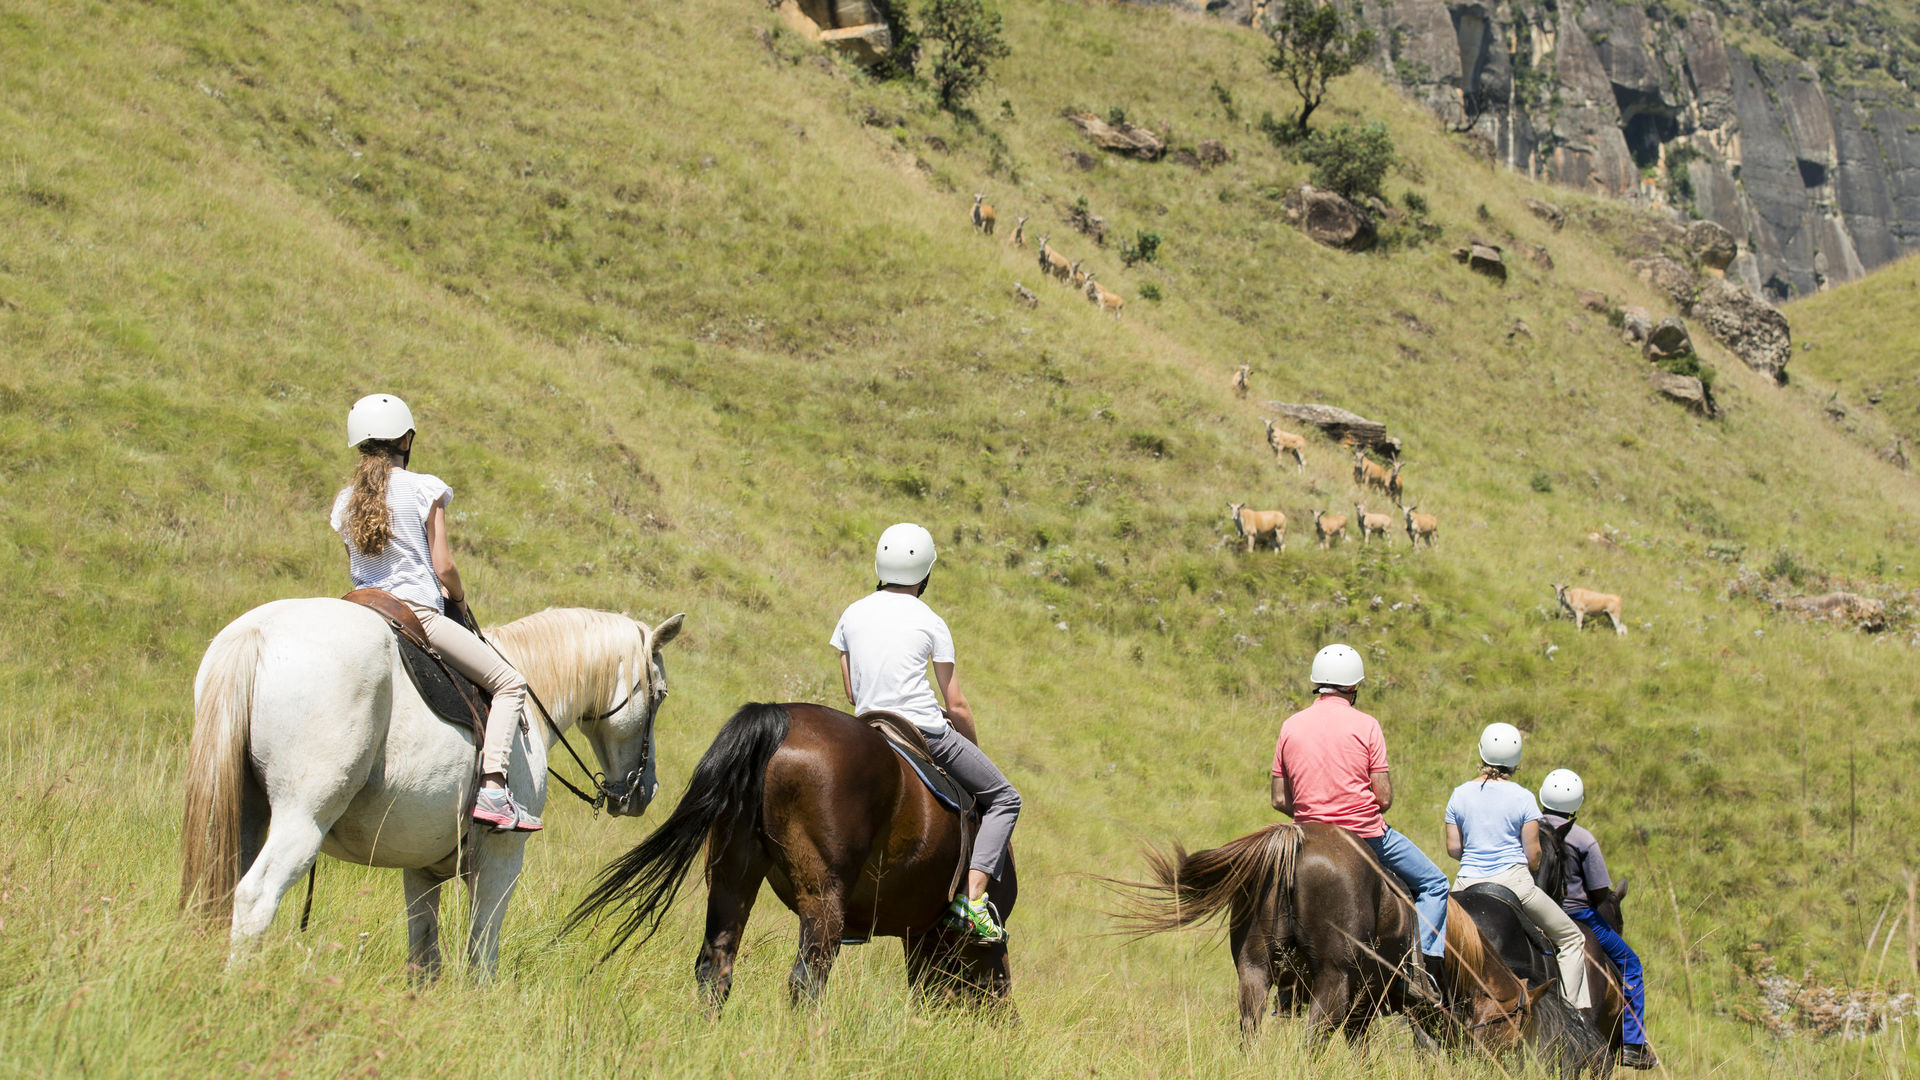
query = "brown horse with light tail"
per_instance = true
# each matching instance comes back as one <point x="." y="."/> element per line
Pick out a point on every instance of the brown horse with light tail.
<point x="817" y="804"/>
<point x="1309" y="911"/>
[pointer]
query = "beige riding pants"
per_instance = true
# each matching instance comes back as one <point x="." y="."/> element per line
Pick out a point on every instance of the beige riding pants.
<point x="467" y="654"/>
<point x="1570" y="944"/>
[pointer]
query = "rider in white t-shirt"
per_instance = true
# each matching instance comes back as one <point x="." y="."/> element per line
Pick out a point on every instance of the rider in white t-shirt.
<point x="886" y="640"/>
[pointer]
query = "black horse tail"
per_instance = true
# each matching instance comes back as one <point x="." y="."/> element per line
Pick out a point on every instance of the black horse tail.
<point x="724" y="793"/>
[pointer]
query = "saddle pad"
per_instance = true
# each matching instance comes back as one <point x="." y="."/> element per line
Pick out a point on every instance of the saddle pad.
<point x="1541" y="960"/>
<point x="945" y="790"/>
<point x="452" y="696"/>
<point x="907" y="741"/>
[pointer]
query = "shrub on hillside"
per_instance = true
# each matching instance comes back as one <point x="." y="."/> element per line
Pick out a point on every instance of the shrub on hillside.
<point x="1144" y="247"/>
<point x="1350" y="159"/>
<point x="966" y="40"/>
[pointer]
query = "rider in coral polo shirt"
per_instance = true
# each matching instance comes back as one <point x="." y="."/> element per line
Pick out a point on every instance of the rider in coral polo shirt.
<point x="1330" y="766"/>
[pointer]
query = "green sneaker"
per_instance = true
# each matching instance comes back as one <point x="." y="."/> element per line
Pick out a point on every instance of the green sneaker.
<point x="977" y="919"/>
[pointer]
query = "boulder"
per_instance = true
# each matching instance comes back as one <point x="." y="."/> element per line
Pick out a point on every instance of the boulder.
<point x="1668" y="340"/>
<point x="1684" y="389"/>
<point x="1669" y="275"/>
<point x="1842" y="607"/>
<point x="1538" y="256"/>
<point x="1755" y="331"/>
<point x="1548" y="212"/>
<point x="1124" y="138"/>
<point x="1635" y="324"/>
<point x="1340" y="425"/>
<point x="1328" y="219"/>
<point x="1482" y="258"/>
<point x="1591" y="300"/>
<point x="1712" y="245"/>
<point x="857" y="29"/>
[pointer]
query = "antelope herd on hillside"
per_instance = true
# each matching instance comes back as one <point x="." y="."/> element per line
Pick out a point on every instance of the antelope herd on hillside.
<point x="1268" y="528"/>
<point x="1053" y="264"/>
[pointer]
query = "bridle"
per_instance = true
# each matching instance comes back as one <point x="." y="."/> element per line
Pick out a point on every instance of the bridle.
<point x="602" y="789"/>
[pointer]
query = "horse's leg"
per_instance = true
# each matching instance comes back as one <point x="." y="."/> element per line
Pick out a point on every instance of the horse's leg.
<point x="823" y="918"/>
<point x="734" y="883"/>
<point x="423" y="921"/>
<point x="291" y="846"/>
<point x="1253" y="959"/>
<point x="1332" y="1000"/>
<point x="496" y="871"/>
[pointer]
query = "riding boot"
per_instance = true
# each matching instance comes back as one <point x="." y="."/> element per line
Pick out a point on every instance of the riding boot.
<point x="1437" y="971"/>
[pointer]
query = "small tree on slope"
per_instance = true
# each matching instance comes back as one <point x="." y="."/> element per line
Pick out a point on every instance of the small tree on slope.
<point x="966" y="40"/>
<point x="1311" y="46"/>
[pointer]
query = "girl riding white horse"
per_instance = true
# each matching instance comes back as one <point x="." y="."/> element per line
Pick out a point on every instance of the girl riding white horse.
<point x="394" y="523"/>
<point x="309" y="736"/>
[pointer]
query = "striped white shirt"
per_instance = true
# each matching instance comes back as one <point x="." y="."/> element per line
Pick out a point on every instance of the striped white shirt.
<point x="404" y="568"/>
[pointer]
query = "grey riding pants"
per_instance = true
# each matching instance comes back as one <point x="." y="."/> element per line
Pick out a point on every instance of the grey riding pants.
<point x="999" y="802"/>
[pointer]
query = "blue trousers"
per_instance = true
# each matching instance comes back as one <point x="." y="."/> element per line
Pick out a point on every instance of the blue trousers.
<point x="1632" y="981"/>
<point x="1423" y="879"/>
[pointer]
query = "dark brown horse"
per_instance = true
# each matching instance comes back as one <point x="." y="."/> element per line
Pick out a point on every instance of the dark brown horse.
<point x="1309" y="911"/>
<point x="814" y="802"/>
<point x="1489" y="949"/>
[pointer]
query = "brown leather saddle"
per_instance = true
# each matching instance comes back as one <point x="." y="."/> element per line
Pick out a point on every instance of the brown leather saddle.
<point x="907" y="741"/>
<point x="452" y="696"/>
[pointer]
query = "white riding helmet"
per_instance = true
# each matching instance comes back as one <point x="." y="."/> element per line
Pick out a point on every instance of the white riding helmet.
<point x="1562" y="791"/>
<point x="905" y="555"/>
<point x="1500" y="745"/>
<point x="1338" y="665"/>
<point x="378" y="416"/>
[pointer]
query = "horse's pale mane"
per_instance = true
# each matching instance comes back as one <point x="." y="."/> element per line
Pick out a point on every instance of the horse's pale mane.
<point x="1471" y="970"/>
<point x="572" y="657"/>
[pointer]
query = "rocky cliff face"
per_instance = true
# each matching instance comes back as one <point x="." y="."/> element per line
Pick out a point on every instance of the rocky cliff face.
<point x="1805" y="145"/>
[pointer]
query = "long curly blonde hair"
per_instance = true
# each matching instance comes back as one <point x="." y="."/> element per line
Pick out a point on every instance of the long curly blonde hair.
<point x="369" y="522"/>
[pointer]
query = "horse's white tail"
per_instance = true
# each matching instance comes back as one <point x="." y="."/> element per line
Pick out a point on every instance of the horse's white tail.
<point x="216" y="778"/>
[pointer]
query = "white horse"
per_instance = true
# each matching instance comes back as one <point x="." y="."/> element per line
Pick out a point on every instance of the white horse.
<point x="308" y="736"/>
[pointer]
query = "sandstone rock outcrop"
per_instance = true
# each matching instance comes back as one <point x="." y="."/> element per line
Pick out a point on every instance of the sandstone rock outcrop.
<point x="857" y="29"/>
<point x="1340" y="425"/>
<point x="1712" y="245"/>
<point x="1818" y="182"/>
<point x="1548" y="212"/>
<point x="1124" y="138"/>
<point x="1667" y="340"/>
<point x="1635" y="324"/>
<point x="1847" y="608"/>
<point x="1328" y="219"/>
<point x="1670" y="276"/>
<point x="1684" y="389"/>
<point x="1482" y="258"/>
<point x="1752" y="328"/>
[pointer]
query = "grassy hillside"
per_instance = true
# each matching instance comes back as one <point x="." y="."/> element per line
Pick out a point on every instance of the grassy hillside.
<point x="1859" y="341"/>
<point x="687" y="313"/>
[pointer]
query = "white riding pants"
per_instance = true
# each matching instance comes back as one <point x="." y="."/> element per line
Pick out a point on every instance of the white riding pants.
<point x="1570" y="944"/>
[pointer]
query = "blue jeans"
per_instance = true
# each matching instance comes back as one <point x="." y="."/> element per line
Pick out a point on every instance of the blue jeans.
<point x="1423" y="879"/>
<point x="1632" y="982"/>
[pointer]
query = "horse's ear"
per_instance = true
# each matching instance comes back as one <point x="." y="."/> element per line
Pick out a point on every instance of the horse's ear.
<point x="667" y="631"/>
<point x="1534" y="994"/>
<point x="1620" y="893"/>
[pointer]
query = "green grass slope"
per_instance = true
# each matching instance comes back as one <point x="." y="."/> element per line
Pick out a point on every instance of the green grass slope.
<point x="1859" y="341"/>
<point x="687" y="313"/>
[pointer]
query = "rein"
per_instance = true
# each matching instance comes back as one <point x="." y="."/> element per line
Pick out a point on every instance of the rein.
<point x="597" y="800"/>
